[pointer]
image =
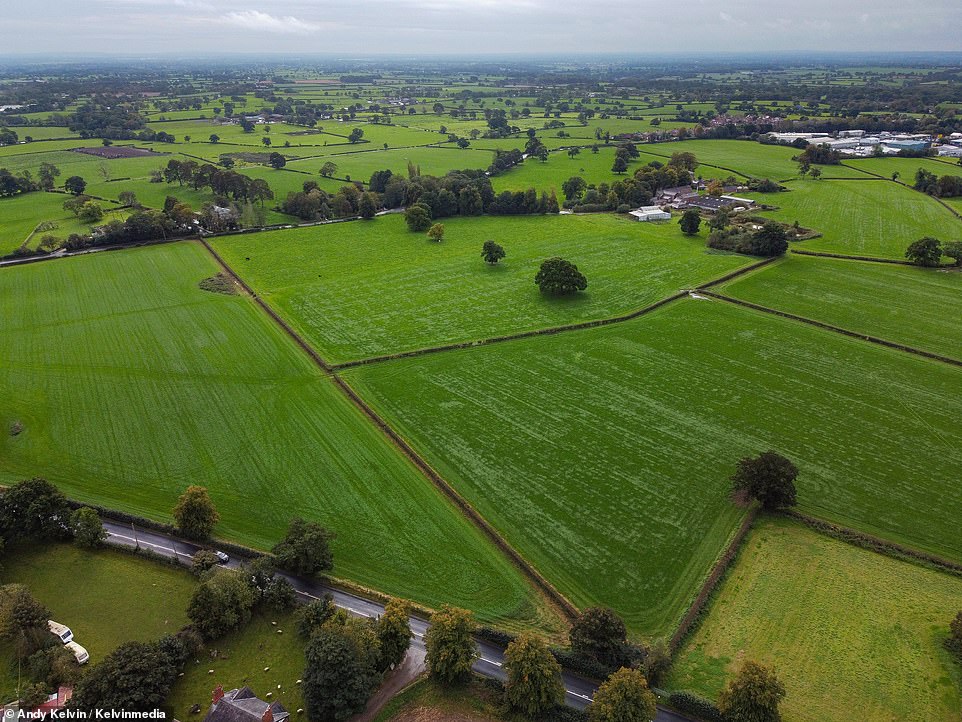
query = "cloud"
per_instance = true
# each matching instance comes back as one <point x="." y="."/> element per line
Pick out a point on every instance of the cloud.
<point x="257" y="20"/>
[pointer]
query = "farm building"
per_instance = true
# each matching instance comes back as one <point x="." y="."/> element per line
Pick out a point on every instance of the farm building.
<point x="241" y="705"/>
<point x="650" y="213"/>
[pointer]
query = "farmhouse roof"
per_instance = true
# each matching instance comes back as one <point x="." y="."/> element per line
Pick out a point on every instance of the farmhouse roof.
<point x="242" y="705"/>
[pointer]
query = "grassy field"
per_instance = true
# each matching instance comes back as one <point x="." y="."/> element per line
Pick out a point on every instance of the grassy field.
<point x="604" y="455"/>
<point x="432" y="161"/>
<point x="847" y="629"/>
<point x="106" y="597"/>
<point x="239" y="659"/>
<point x="364" y="289"/>
<point x="132" y="383"/>
<point x="906" y="304"/>
<point x="867" y="218"/>
<point x="905" y="167"/>
<point x="424" y="700"/>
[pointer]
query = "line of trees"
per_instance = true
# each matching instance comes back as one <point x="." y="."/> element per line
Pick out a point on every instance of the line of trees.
<point x="946" y="186"/>
<point x="221" y="181"/>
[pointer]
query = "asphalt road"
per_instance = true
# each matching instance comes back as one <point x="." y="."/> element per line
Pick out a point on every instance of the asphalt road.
<point x="578" y="691"/>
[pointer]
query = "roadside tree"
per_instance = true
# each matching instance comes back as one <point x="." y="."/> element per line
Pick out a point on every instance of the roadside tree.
<point x="753" y="695"/>
<point x="195" y="513"/>
<point x="534" y="683"/>
<point x="305" y="549"/>
<point x="88" y="529"/>
<point x="451" y="649"/>
<point x="624" y="697"/>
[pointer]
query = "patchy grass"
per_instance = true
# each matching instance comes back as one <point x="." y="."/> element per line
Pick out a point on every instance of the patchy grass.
<point x="604" y="455"/>
<point x="425" y="701"/>
<point x="369" y="288"/>
<point x="905" y="304"/>
<point x="846" y="628"/>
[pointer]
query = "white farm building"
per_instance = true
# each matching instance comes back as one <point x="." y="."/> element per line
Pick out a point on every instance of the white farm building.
<point x="650" y="213"/>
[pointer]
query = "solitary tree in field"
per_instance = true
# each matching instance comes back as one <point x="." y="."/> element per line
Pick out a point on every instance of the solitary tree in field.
<point x="623" y="696"/>
<point x="815" y="173"/>
<point x="491" y="252"/>
<point x="451" y="650"/>
<point x="559" y="276"/>
<point x="534" y="683"/>
<point x="753" y="695"/>
<point x="75" y="184"/>
<point x="690" y="222"/>
<point x="305" y="549"/>
<point x="436" y="232"/>
<point x="768" y="478"/>
<point x="925" y="252"/>
<point x="214" y="138"/>
<point x="573" y="151"/>
<point x="355" y="135"/>
<point x="599" y="634"/>
<point x="266" y="141"/>
<point x="48" y="175"/>
<point x="195" y="513"/>
<point x="277" y="161"/>
<point x="620" y="165"/>
<point x="896" y="175"/>
<point x="328" y="169"/>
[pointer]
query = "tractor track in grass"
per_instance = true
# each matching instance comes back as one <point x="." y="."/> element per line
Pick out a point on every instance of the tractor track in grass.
<point x="836" y="329"/>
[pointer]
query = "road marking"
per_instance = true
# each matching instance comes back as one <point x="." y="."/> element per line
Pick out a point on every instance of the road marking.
<point x="575" y="694"/>
<point x="342" y="606"/>
<point x="149" y="544"/>
<point x="490" y="661"/>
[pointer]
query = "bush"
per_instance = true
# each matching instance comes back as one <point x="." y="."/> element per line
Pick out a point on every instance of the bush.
<point x="954" y="641"/>
<point x="690" y="703"/>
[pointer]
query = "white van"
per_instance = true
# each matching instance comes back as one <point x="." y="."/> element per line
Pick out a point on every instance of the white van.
<point x="79" y="653"/>
<point x="60" y="631"/>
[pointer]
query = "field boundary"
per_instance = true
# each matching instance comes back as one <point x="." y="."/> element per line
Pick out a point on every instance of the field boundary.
<point x="868" y="259"/>
<point x="837" y="329"/>
<point x="873" y="543"/>
<point x="715" y="577"/>
<point x="568" y="610"/>
<point x="594" y="323"/>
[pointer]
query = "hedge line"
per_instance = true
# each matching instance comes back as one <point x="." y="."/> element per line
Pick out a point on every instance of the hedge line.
<point x="875" y="544"/>
<point x="718" y="572"/>
<point x="870" y="259"/>
<point x="837" y="329"/>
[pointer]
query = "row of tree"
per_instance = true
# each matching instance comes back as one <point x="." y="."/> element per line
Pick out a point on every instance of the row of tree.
<point x="946" y="186"/>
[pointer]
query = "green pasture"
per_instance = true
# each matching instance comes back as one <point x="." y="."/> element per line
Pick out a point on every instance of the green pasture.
<point x="845" y="628"/>
<point x="905" y="304"/>
<point x="604" y="455"/>
<point x="905" y="167"/>
<point x="105" y="597"/>
<point x="432" y="161"/>
<point x="269" y="641"/>
<point x="368" y="288"/>
<point x="131" y="383"/>
<point x="866" y="218"/>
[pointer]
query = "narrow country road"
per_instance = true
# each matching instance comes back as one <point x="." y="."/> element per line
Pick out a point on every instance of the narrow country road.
<point x="578" y="691"/>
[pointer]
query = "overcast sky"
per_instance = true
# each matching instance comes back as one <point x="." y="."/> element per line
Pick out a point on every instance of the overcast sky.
<point x="471" y="27"/>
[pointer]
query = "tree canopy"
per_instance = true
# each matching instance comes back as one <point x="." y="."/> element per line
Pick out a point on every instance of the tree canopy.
<point x="753" y="695"/>
<point x="451" y="649"/>
<point x="534" y="683"/>
<point x="195" y="514"/>
<point x="305" y="548"/>
<point x="769" y="478"/>
<point x="623" y="697"/>
<point x="559" y="276"/>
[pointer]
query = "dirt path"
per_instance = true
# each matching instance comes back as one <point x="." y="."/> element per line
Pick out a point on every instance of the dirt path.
<point x="404" y="674"/>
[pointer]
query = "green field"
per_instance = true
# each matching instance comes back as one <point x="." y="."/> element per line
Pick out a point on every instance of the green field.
<point x="905" y="304"/>
<point x="905" y="167"/>
<point x="866" y="218"/>
<point x="131" y="383"/>
<point x="847" y="629"/>
<point x="368" y="288"/>
<point x="105" y="597"/>
<point x="268" y="640"/>
<point x="604" y="455"/>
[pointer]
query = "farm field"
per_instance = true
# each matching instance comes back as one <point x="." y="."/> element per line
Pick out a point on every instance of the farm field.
<point x="131" y="383"/>
<point x="866" y="218"/>
<point x="625" y="465"/>
<point x="905" y="167"/>
<point x="113" y="597"/>
<point x="370" y="288"/>
<point x="432" y="161"/>
<point x="845" y="628"/>
<point x="905" y="304"/>
<point x="241" y="658"/>
<point x="746" y="157"/>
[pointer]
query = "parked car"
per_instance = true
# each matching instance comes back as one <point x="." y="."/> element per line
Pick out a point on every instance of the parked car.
<point x="222" y="557"/>
<point x="79" y="653"/>
<point x="60" y="631"/>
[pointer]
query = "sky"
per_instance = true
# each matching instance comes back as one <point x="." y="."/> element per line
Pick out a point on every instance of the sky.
<point x="475" y="27"/>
